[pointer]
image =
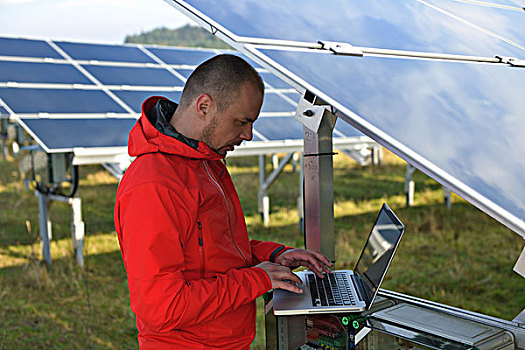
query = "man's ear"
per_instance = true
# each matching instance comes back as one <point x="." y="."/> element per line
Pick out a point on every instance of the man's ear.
<point x="203" y="105"/>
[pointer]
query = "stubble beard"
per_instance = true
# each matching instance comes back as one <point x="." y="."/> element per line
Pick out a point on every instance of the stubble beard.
<point x="207" y="134"/>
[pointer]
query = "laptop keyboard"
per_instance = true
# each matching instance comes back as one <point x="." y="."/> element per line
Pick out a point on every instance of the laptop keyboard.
<point x="333" y="290"/>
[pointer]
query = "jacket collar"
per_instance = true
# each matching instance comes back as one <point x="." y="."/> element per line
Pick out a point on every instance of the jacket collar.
<point x="154" y="133"/>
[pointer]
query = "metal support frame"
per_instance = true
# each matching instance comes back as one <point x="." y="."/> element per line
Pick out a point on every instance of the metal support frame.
<point x="3" y="134"/>
<point x="263" y="199"/>
<point x="318" y="124"/>
<point x="365" y="155"/>
<point x="77" y="225"/>
<point x="409" y="184"/>
<point x="409" y="188"/>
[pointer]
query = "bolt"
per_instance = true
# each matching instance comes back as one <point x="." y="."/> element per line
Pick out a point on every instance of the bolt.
<point x="308" y="113"/>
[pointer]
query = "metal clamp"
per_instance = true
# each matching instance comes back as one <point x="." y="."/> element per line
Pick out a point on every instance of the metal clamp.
<point x="344" y="49"/>
<point x="311" y="115"/>
<point x="512" y="61"/>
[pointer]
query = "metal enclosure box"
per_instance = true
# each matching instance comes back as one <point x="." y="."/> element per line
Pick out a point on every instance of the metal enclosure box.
<point x="448" y="327"/>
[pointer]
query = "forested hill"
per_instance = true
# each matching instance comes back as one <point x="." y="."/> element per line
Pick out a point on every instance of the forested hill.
<point x="189" y="36"/>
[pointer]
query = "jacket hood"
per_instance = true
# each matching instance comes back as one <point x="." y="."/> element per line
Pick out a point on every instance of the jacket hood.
<point x="153" y="133"/>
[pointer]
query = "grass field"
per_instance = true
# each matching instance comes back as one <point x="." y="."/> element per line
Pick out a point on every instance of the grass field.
<point x="459" y="257"/>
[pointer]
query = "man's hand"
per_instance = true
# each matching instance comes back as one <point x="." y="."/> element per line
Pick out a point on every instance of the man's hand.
<point x="281" y="276"/>
<point x="309" y="258"/>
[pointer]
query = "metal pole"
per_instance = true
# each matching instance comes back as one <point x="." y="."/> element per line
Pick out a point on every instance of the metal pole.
<point x="45" y="225"/>
<point x="319" y="184"/>
<point x="409" y="184"/>
<point x="77" y="229"/>
<point x="300" y="199"/>
<point x="263" y="200"/>
<point x="447" y="197"/>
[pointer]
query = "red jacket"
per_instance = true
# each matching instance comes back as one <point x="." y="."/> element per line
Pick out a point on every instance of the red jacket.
<point x="184" y="241"/>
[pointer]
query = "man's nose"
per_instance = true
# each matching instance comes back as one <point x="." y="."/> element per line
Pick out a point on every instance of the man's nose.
<point x="247" y="133"/>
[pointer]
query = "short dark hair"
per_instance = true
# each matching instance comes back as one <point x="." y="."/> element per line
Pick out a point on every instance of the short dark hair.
<point x="220" y="77"/>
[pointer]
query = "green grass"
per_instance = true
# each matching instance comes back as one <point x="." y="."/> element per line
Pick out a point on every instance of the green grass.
<point x="459" y="257"/>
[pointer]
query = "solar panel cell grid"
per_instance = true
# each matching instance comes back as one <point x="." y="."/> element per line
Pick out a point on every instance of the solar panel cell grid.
<point x="274" y="82"/>
<point x="279" y="128"/>
<point x="109" y="75"/>
<point x="58" y="101"/>
<point x="273" y="102"/>
<point x="99" y="52"/>
<point x="346" y="130"/>
<point x="134" y="99"/>
<point x="27" y="48"/>
<point x="69" y="133"/>
<point x="27" y="72"/>
<point x="182" y="57"/>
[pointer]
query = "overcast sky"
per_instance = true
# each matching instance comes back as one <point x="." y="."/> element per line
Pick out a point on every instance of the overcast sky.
<point x="105" y="21"/>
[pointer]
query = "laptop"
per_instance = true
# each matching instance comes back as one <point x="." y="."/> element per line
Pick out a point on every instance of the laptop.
<point x="347" y="290"/>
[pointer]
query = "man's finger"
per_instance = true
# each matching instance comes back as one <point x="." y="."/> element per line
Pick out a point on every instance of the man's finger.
<point x="287" y="286"/>
<point x="321" y="257"/>
<point x="289" y="276"/>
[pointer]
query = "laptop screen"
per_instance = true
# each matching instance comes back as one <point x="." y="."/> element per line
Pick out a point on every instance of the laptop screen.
<point x="379" y="250"/>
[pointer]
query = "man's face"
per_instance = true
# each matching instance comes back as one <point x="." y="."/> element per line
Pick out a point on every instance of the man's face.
<point x="232" y="126"/>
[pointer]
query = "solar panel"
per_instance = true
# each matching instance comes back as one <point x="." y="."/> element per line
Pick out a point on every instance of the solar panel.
<point x="401" y="25"/>
<point x="507" y="24"/>
<point x="75" y="101"/>
<point x="32" y="72"/>
<point x="182" y="56"/>
<point x="458" y="117"/>
<point x="274" y="82"/>
<point x="102" y="52"/>
<point x="142" y="76"/>
<point x="134" y="99"/>
<point x="278" y="128"/>
<point x="185" y="72"/>
<point x="275" y="103"/>
<point x="62" y="108"/>
<point x="343" y="129"/>
<point x="27" y="48"/>
<point x="62" y="135"/>
<point x="461" y="123"/>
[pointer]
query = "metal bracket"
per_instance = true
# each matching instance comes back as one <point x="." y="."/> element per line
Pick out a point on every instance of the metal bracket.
<point x="512" y="61"/>
<point x="344" y="49"/>
<point x="311" y="115"/>
<point x="520" y="264"/>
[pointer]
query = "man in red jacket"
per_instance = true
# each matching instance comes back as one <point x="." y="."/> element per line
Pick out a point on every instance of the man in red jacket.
<point x="193" y="274"/>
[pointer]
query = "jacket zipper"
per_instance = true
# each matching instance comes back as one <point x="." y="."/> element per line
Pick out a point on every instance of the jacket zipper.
<point x="227" y="208"/>
<point x="201" y="250"/>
